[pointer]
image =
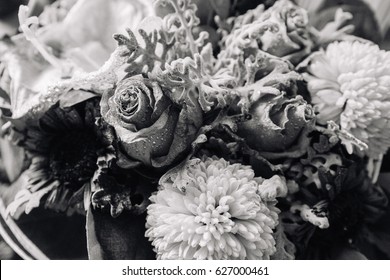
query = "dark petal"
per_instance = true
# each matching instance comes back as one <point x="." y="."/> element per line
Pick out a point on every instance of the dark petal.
<point x="137" y="113"/>
<point x="186" y="130"/>
<point x="123" y="161"/>
<point x="153" y="141"/>
<point x="133" y="101"/>
<point x="60" y="116"/>
<point x="108" y="115"/>
<point x="50" y="122"/>
<point x="75" y="119"/>
<point x="276" y="123"/>
<point x="118" y="238"/>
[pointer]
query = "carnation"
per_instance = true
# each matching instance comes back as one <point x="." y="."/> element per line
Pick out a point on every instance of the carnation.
<point x="349" y="84"/>
<point x="211" y="209"/>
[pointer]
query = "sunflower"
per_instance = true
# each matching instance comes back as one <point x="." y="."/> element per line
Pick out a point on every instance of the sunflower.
<point x="65" y="146"/>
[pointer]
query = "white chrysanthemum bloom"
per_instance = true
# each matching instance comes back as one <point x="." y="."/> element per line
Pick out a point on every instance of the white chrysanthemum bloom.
<point x="210" y="209"/>
<point x="350" y="84"/>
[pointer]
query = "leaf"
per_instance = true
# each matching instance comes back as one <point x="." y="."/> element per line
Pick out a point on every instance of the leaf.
<point x="285" y="249"/>
<point x="188" y="77"/>
<point x="323" y="145"/>
<point x="12" y="158"/>
<point x="347" y="253"/>
<point x="337" y="30"/>
<point x="141" y="59"/>
<point x="363" y="21"/>
<point x="118" y="238"/>
<point x="180" y="23"/>
<point x="75" y="97"/>
<point x="149" y="46"/>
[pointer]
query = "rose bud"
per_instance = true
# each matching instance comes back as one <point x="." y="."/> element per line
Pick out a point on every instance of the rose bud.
<point x="276" y="123"/>
<point x="283" y="30"/>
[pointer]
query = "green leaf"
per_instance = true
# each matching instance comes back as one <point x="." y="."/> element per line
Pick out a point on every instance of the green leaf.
<point x="117" y="238"/>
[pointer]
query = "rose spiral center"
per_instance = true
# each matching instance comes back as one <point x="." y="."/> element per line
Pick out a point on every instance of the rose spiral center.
<point x="128" y="100"/>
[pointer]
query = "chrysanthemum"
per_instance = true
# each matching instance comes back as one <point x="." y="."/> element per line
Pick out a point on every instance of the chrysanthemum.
<point x="350" y="83"/>
<point x="211" y="209"/>
<point x="64" y="147"/>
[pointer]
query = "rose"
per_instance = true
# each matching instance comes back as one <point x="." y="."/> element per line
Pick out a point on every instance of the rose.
<point x="276" y="123"/>
<point x="283" y="30"/>
<point x="151" y="128"/>
<point x="286" y="29"/>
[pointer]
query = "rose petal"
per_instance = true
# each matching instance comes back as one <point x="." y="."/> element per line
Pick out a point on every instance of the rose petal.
<point x="153" y="141"/>
<point x="186" y="131"/>
<point x="276" y="123"/>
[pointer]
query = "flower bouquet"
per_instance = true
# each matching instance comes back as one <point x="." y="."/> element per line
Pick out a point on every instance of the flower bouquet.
<point x="192" y="130"/>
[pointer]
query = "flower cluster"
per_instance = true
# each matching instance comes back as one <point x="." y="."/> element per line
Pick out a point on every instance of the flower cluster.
<point x="174" y="136"/>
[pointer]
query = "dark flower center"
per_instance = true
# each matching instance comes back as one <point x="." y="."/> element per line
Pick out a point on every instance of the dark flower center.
<point x="346" y="212"/>
<point x="72" y="157"/>
<point x="128" y="100"/>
